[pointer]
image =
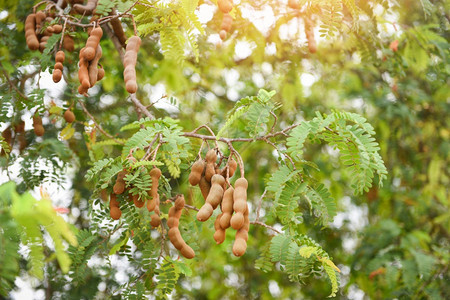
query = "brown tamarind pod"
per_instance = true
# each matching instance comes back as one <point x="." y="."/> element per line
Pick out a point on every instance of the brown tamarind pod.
<point x="241" y="238"/>
<point x="227" y="21"/>
<point x="204" y="186"/>
<point x="57" y="75"/>
<point x="118" y="29"/>
<point x="239" y="247"/>
<point x="177" y="241"/>
<point x="104" y="195"/>
<point x="39" y="130"/>
<point x="22" y="142"/>
<point x="60" y="56"/>
<point x="129" y="64"/>
<point x="40" y="17"/>
<point x="115" y="213"/>
<point x="92" y="43"/>
<point x="100" y="73"/>
<point x="196" y="172"/>
<point x="222" y="34"/>
<point x="37" y="120"/>
<point x="227" y="208"/>
<point x="230" y="168"/>
<point x="30" y="32"/>
<point x="240" y="203"/>
<point x="155" y="174"/>
<point x="83" y="72"/>
<point x="137" y="202"/>
<point x="69" y="116"/>
<point x="309" y="31"/>
<point x="214" y="198"/>
<point x="19" y="127"/>
<point x="219" y="234"/>
<point x="211" y="158"/>
<point x="119" y="186"/>
<point x="57" y="28"/>
<point x="294" y="4"/>
<point x="93" y="69"/>
<point x="68" y="43"/>
<point x="59" y="66"/>
<point x="87" y="9"/>
<point x="155" y="220"/>
<point x="225" y="6"/>
<point x="187" y="252"/>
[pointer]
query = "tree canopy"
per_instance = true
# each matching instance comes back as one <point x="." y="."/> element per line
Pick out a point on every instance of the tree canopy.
<point x="225" y="149"/>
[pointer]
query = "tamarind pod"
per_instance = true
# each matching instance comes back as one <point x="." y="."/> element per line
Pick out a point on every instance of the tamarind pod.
<point x="237" y="220"/>
<point x="196" y="172"/>
<point x="119" y="187"/>
<point x="155" y="221"/>
<point x="115" y="213"/>
<point x="232" y="165"/>
<point x="39" y="130"/>
<point x="211" y="158"/>
<point x="180" y="202"/>
<point x="82" y="90"/>
<point x="59" y="66"/>
<point x="239" y="247"/>
<point x="240" y="194"/>
<point x="174" y="220"/>
<point x="205" y="212"/>
<point x="187" y="251"/>
<point x="83" y="74"/>
<point x="57" y="75"/>
<point x="175" y="238"/>
<point x="22" y="142"/>
<point x="118" y="30"/>
<point x="37" y="120"/>
<point x="225" y="6"/>
<point x="69" y="116"/>
<point x="42" y="46"/>
<point x="68" y="43"/>
<point x="137" y="202"/>
<point x="204" y="186"/>
<point x="92" y="69"/>
<point x="19" y="127"/>
<point x="57" y="28"/>
<point x="40" y="17"/>
<point x="129" y="63"/>
<point x="87" y="9"/>
<point x="219" y="234"/>
<point x="104" y="195"/>
<point x="100" y="73"/>
<point x="222" y="34"/>
<point x="60" y="56"/>
<point x="227" y="21"/>
<point x="227" y="208"/>
<point x="92" y="43"/>
<point x="44" y="39"/>
<point x="113" y="200"/>
<point x="7" y="135"/>
<point x="155" y="174"/>
<point x="30" y="32"/>
<point x="216" y="193"/>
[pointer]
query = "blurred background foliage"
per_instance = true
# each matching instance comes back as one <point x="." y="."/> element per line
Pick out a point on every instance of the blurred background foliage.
<point x="392" y="242"/>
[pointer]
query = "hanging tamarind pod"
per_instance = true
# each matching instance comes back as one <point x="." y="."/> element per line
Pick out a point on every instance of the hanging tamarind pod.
<point x="214" y="198"/>
<point x="30" y="32"/>
<point x="196" y="172"/>
<point x="219" y="234"/>
<point x="241" y="238"/>
<point x="68" y="43"/>
<point x="211" y="158"/>
<point x="92" y="43"/>
<point x="69" y="116"/>
<point x="227" y="208"/>
<point x="155" y="174"/>
<point x="114" y="210"/>
<point x="118" y="29"/>
<point x="119" y="186"/>
<point x="129" y="64"/>
<point x="174" y="233"/>
<point x="87" y="9"/>
<point x="240" y="203"/>
<point x="93" y="66"/>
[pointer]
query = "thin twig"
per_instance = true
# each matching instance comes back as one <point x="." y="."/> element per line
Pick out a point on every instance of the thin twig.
<point x="258" y="209"/>
<point x="265" y="225"/>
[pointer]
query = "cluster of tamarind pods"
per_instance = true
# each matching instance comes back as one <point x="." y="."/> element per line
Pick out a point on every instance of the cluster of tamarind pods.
<point x="213" y="185"/>
<point x="225" y="6"/>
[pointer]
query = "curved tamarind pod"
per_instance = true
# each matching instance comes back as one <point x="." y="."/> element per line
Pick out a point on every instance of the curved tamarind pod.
<point x="213" y="200"/>
<point x="175" y="237"/>
<point x="196" y="172"/>
<point x="68" y="43"/>
<point x="83" y="72"/>
<point x="211" y="158"/>
<point x="240" y="203"/>
<point x="30" y="32"/>
<point x="225" y="6"/>
<point x="92" y="43"/>
<point x="204" y="186"/>
<point x="60" y="56"/>
<point x="227" y="21"/>
<point x="174" y="220"/>
<point x="227" y="208"/>
<point x="118" y="29"/>
<point x="93" y="69"/>
<point x="155" y="174"/>
<point x="129" y="63"/>
<point x="219" y="234"/>
<point x="100" y="73"/>
<point x="187" y="251"/>
<point x="87" y="9"/>
<point x="119" y="186"/>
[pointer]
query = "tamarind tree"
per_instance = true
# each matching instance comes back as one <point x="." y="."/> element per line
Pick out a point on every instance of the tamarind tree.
<point x="224" y="149"/>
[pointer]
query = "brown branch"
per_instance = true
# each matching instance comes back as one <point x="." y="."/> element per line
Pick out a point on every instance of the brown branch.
<point x="98" y="125"/>
<point x="265" y="225"/>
